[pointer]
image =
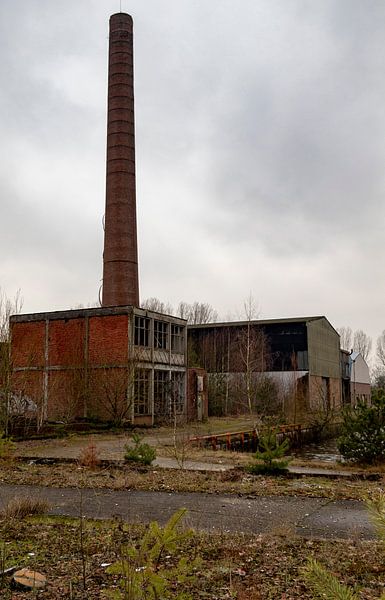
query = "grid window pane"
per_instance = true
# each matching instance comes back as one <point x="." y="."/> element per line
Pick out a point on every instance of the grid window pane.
<point x="160" y="334"/>
<point x="177" y="391"/>
<point x="142" y="392"/>
<point x="177" y="338"/>
<point x="141" y="331"/>
<point x="161" y="393"/>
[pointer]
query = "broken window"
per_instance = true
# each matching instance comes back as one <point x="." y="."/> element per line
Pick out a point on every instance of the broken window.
<point x="142" y="392"/>
<point x="177" y="338"/>
<point x="141" y="331"/>
<point x="177" y="392"/>
<point x="161" y="393"/>
<point x="160" y="334"/>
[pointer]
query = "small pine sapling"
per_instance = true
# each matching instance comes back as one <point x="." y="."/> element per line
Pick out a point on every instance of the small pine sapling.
<point x="271" y="450"/>
<point x="326" y="585"/>
<point x="145" y="574"/>
<point x="141" y="452"/>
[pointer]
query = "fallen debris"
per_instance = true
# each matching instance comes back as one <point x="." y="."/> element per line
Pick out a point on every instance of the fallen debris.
<point x="29" y="580"/>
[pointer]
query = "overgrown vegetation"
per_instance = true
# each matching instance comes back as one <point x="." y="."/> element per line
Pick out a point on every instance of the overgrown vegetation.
<point x="7" y="447"/>
<point x="363" y="430"/>
<point x="141" y="452"/>
<point x="238" y="566"/>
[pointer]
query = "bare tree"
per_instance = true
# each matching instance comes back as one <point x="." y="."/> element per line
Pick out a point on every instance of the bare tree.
<point x="8" y="307"/>
<point x="378" y="376"/>
<point x="157" y="305"/>
<point x="362" y="343"/>
<point x="323" y="407"/>
<point x="250" y="351"/>
<point x="197" y="313"/>
<point x="381" y="350"/>
<point x="346" y="337"/>
<point x="111" y="392"/>
<point x="358" y="341"/>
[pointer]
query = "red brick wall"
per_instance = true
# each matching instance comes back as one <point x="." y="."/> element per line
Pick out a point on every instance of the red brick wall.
<point x="28" y="341"/>
<point x="66" y="394"/>
<point x="108" y="340"/>
<point x="77" y="362"/>
<point x="66" y="342"/>
<point x="77" y="366"/>
<point x="107" y="394"/>
<point x="30" y="383"/>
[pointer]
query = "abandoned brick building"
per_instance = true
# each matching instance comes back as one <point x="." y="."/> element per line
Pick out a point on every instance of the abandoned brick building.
<point x="115" y="363"/>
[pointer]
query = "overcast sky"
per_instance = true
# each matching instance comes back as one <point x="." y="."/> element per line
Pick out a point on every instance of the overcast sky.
<point x="260" y="131"/>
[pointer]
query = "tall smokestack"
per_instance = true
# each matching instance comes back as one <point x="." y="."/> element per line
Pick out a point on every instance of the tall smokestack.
<point x="120" y="257"/>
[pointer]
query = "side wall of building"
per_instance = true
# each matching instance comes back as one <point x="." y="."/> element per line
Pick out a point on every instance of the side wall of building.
<point x="323" y="349"/>
<point x="325" y="383"/>
<point x="324" y="395"/>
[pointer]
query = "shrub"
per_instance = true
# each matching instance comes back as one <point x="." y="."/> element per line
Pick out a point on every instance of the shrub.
<point x="363" y="431"/>
<point x="141" y="453"/>
<point x="271" y="451"/>
<point x="89" y="456"/>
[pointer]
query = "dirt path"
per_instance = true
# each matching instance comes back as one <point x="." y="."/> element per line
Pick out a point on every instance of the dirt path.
<point x="309" y="517"/>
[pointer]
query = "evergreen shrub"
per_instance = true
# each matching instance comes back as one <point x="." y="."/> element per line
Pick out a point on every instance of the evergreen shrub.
<point x="363" y="431"/>
<point x="271" y="450"/>
<point x="141" y="453"/>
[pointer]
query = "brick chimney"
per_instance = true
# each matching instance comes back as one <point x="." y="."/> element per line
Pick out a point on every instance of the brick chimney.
<point x="120" y="257"/>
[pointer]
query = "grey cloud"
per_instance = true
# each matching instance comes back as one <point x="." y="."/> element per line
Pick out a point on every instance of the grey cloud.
<point x="259" y="134"/>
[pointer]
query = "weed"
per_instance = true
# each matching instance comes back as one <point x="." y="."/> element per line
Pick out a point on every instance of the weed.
<point x="231" y="475"/>
<point x="24" y="506"/>
<point x="89" y="456"/>
<point x="3" y="558"/>
<point x="7" y="448"/>
<point x="141" y="453"/>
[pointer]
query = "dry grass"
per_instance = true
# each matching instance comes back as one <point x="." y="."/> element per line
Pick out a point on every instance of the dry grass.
<point x="25" y="506"/>
<point x="178" y="480"/>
